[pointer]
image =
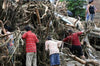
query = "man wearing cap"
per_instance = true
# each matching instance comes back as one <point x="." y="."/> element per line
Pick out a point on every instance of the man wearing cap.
<point x="31" y="41"/>
<point x="76" y="45"/>
<point x="53" y="47"/>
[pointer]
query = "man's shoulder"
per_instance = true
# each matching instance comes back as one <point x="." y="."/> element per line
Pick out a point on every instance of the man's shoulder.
<point x="50" y="41"/>
<point x="33" y="34"/>
<point x="74" y="33"/>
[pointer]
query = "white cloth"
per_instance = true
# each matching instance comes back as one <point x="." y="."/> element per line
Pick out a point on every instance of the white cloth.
<point x="52" y="46"/>
<point x="10" y="36"/>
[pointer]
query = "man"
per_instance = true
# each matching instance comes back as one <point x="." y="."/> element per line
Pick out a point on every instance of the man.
<point x="10" y="45"/>
<point x="31" y="41"/>
<point x="76" y="45"/>
<point x="53" y="47"/>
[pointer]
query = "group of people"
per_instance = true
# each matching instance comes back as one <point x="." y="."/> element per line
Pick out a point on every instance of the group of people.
<point x="51" y="45"/>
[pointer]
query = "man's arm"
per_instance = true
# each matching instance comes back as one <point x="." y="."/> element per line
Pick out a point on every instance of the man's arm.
<point x="46" y="46"/>
<point x="37" y="40"/>
<point x="24" y="36"/>
<point x="79" y="33"/>
<point x="59" y="43"/>
<point x="95" y="9"/>
<point x="66" y="39"/>
<point x="88" y="9"/>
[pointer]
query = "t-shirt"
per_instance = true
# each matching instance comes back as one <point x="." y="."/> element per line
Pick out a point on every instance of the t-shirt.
<point x="52" y="46"/>
<point x="74" y="38"/>
<point x="31" y="40"/>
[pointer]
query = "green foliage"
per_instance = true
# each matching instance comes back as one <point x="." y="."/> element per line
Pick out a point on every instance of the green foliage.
<point x="76" y="6"/>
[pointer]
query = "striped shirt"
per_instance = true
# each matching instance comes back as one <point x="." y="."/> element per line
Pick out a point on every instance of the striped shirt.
<point x="31" y="41"/>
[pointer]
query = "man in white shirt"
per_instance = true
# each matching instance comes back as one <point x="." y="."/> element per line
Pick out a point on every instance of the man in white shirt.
<point x="53" y="47"/>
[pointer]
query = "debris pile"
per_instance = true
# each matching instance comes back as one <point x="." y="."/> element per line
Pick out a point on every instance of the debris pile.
<point x="45" y="19"/>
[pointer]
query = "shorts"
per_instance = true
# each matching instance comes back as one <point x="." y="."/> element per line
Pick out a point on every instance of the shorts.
<point x="77" y="49"/>
<point x="54" y="59"/>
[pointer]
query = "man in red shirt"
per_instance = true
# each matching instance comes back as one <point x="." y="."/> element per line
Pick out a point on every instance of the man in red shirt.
<point x="31" y="41"/>
<point x="76" y="45"/>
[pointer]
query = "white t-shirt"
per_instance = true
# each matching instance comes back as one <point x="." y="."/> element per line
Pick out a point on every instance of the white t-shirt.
<point x="52" y="46"/>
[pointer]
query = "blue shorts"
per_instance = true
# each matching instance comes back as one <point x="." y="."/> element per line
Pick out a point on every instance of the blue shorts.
<point x="54" y="59"/>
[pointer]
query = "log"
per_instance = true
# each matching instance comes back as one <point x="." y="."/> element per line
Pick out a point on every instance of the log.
<point x="70" y="21"/>
<point x="4" y="35"/>
<point x="23" y="14"/>
<point x="78" y="59"/>
<point x="94" y="34"/>
<point x="38" y="17"/>
<point x="3" y="57"/>
<point x="93" y="62"/>
<point x="96" y="29"/>
<point x="96" y="46"/>
<point x="5" y="43"/>
<point x="4" y="5"/>
<point x="46" y="9"/>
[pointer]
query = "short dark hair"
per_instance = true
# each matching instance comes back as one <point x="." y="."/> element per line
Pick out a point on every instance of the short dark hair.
<point x="70" y="31"/>
<point x="48" y="38"/>
<point x="8" y="28"/>
<point x="27" y="28"/>
<point x="90" y="1"/>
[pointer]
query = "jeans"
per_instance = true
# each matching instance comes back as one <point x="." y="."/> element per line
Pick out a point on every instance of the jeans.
<point x="31" y="59"/>
<point x="54" y="59"/>
<point x="90" y="17"/>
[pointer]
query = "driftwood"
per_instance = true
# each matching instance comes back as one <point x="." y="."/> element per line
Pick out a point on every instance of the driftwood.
<point x="85" y="62"/>
<point x="45" y="19"/>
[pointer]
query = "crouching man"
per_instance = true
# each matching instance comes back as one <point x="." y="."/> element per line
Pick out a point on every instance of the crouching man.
<point x="53" y="47"/>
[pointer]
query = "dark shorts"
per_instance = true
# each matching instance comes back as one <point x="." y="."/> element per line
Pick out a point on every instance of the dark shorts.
<point x="77" y="49"/>
<point x="54" y="59"/>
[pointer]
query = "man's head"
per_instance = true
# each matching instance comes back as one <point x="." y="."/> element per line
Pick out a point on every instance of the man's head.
<point x="90" y="1"/>
<point x="27" y="28"/>
<point x="48" y="38"/>
<point x="7" y="28"/>
<point x="70" y="32"/>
